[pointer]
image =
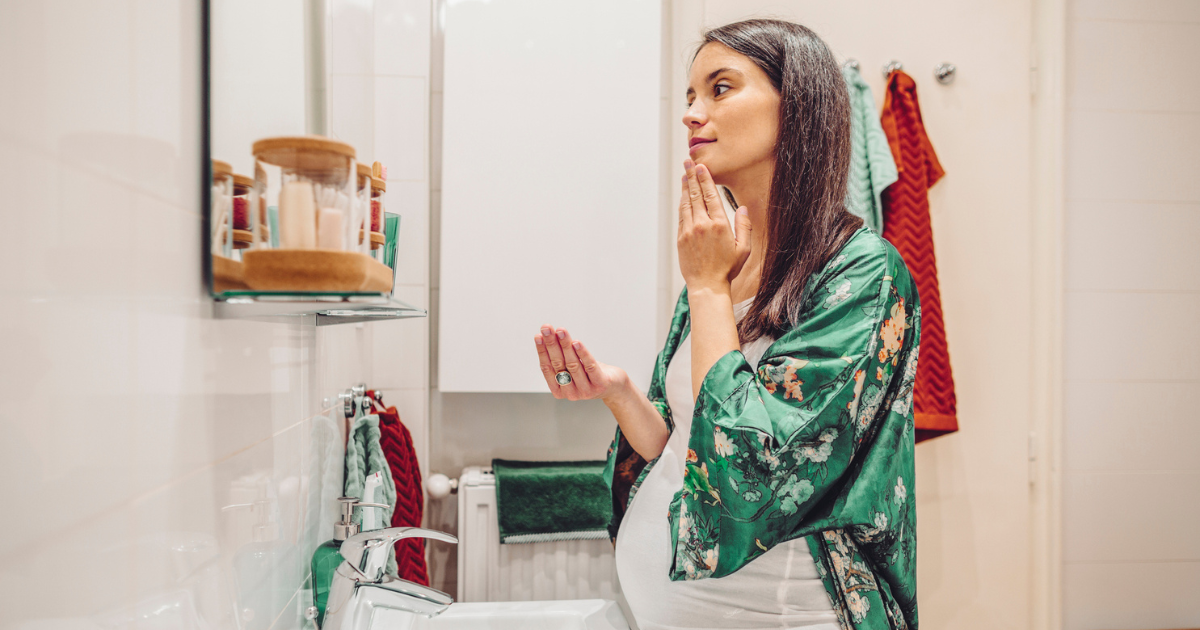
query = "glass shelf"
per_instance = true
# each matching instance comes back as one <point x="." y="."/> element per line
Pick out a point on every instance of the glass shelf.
<point x="328" y="308"/>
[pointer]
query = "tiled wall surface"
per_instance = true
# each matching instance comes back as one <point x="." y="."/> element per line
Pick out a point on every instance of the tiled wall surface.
<point x="1131" y="477"/>
<point x="378" y="52"/>
<point x="131" y="416"/>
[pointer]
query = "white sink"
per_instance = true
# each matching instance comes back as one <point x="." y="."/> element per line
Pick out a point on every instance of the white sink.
<point x="572" y="614"/>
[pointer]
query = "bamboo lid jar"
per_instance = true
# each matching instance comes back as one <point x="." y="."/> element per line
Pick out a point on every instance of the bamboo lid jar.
<point x="220" y="212"/>
<point x="371" y="188"/>
<point x="317" y="207"/>
<point x="249" y="212"/>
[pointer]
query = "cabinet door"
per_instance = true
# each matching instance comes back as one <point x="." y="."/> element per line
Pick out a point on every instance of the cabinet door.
<point x="550" y="206"/>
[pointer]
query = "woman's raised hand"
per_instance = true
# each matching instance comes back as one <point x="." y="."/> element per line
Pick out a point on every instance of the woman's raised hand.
<point x="710" y="253"/>
<point x="589" y="378"/>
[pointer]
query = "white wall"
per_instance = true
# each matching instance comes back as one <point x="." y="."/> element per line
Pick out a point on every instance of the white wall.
<point x="377" y="59"/>
<point x="131" y="416"/>
<point x="259" y="80"/>
<point x="1131" y="479"/>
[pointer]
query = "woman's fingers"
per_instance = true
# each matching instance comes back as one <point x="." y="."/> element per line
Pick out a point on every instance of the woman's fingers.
<point x="590" y="365"/>
<point x="712" y="199"/>
<point x="557" y="362"/>
<point x="579" y="378"/>
<point x="695" y="196"/>
<point x="685" y="207"/>
<point x="546" y="367"/>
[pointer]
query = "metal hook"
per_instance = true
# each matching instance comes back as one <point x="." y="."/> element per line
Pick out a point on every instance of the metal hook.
<point x="944" y="73"/>
<point x="351" y="396"/>
<point x="852" y="64"/>
<point x="891" y="67"/>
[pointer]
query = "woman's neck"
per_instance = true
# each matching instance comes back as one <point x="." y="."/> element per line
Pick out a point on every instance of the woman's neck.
<point x="752" y="190"/>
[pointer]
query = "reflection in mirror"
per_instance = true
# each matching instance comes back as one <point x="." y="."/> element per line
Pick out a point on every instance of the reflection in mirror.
<point x="291" y="209"/>
<point x="267" y="74"/>
<point x="293" y="212"/>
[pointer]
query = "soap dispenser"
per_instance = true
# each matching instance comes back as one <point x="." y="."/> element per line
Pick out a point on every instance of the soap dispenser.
<point x="328" y="556"/>
<point x="261" y="595"/>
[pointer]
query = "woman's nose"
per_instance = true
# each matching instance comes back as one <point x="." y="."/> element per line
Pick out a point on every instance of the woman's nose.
<point x="695" y="116"/>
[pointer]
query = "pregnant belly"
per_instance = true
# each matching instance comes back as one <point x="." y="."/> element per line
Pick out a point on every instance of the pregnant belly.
<point x="779" y="587"/>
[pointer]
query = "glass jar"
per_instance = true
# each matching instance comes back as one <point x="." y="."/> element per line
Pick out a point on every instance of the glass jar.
<point x="378" y="189"/>
<point x="317" y="206"/>
<point x="249" y="220"/>
<point x="220" y="217"/>
<point x="370" y="195"/>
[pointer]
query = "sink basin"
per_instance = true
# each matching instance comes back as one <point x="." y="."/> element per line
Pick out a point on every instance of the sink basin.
<point x="573" y="614"/>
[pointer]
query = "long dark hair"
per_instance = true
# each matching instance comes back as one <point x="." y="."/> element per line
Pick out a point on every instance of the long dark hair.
<point x="807" y="220"/>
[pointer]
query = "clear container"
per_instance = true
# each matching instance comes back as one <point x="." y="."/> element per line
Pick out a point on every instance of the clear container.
<point x="371" y="188"/>
<point x="378" y="190"/>
<point x="317" y="205"/>
<point x="249" y="219"/>
<point x="221" y="216"/>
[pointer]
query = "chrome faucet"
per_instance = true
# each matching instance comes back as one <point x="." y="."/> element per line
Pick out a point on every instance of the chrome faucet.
<point x="360" y="586"/>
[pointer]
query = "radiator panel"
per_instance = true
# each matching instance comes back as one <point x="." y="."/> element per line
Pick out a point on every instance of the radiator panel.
<point x="490" y="571"/>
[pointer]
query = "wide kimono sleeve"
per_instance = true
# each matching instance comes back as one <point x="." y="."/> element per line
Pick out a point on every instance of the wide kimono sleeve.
<point x="784" y="450"/>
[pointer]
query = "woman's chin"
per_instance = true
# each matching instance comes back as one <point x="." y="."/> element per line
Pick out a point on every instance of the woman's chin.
<point x="714" y="170"/>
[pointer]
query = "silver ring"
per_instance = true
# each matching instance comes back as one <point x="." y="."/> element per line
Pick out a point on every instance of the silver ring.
<point x="563" y="377"/>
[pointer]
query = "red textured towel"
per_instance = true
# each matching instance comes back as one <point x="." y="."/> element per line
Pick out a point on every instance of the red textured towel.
<point x="398" y="449"/>
<point x="906" y="224"/>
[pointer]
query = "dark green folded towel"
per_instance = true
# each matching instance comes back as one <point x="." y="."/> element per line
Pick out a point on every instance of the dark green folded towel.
<point x="550" y="501"/>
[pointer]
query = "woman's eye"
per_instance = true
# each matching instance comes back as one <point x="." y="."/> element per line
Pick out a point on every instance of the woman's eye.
<point x="721" y="85"/>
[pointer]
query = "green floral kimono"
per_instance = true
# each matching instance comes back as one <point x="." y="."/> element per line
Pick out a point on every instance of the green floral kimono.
<point x="817" y="442"/>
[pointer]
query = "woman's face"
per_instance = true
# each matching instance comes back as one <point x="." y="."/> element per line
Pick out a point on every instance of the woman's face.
<point x="733" y="104"/>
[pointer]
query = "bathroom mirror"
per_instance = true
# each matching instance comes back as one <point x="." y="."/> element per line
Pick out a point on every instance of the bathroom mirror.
<point x="265" y="79"/>
<point x="295" y="215"/>
<point x="266" y="62"/>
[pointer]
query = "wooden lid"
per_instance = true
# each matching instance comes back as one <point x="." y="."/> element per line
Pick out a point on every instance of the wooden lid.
<point x="242" y="184"/>
<point x="221" y="168"/>
<point x="305" y="153"/>
<point x="364" y="175"/>
<point x="303" y="143"/>
<point x="378" y="184"/>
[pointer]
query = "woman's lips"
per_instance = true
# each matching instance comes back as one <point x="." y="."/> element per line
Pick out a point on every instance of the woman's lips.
<point x="698" y="145"/>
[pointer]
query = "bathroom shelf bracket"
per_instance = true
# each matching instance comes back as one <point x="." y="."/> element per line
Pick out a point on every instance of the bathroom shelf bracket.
<point x="327" y="308"/>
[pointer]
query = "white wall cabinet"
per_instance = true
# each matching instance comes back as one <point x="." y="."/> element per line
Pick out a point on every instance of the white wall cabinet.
<point x="550" y="207"/>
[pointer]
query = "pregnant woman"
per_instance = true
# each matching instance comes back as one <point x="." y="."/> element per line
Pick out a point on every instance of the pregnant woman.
<point x="765" y="479"/>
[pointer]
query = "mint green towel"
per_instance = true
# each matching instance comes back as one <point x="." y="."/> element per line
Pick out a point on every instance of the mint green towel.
<point x="551" y="501"/>
<point x="872" y="167"/>
<point x="364" y="456"/>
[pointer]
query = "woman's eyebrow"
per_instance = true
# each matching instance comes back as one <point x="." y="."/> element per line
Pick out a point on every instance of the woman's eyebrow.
<point x="712" y="75"/>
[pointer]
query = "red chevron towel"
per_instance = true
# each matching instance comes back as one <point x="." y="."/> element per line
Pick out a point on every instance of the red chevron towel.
<point x="906" y="225"/>
<point x="401" y="455"/>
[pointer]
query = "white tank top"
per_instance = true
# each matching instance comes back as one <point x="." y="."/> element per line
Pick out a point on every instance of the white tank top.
<point x="779" y="589"/>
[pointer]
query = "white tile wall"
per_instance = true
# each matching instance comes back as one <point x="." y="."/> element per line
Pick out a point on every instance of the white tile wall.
<point x="1131" y="426"/>
<point x="1131" y="478"/>
<point x="400" y="106"/>
<point x="1099" y="257"/>
<point x="131" y="416"/>
<point x="352" y="112"/>
<point x="1131" y="595"/>
<point x="402" y="37"/>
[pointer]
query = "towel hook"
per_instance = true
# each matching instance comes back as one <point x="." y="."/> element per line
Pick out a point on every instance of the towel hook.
<point x="891" y="67"/>
<point x="852" y="64"/>
<point x="944" y="72"/>
<point x="350" y="397"/>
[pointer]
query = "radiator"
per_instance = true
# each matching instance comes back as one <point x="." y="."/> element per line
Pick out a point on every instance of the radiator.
<point x="491" y="572"/>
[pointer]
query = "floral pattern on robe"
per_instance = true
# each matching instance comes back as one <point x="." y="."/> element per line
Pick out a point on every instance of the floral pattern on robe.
<point x="816" y="442"/>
